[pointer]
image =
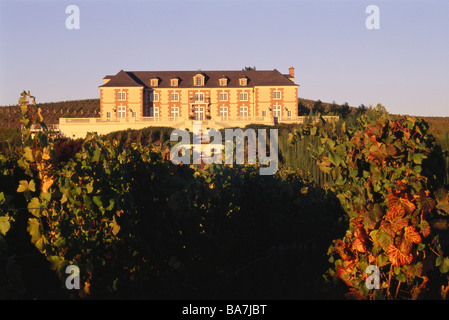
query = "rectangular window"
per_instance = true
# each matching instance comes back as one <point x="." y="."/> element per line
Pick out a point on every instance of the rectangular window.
<point x="223" y="96"/>
<point x="121" y="96"/>
<point x="174" y="96"/>
<point x="264" y="113"/>
<point x="199" y="81"/>
<point x="134" y="114"/>
<point x="243" y="112"/>
<point x="154" y="112"/>
<point x="121" y="112"/>
<point x="154" y="97"/>
<point x="243" y="96"/>
<point x="174" y="112"/>
<point x="224" y="112"/>
<point x="108" y="115"/>
<point x="277" y="95"/>
<point x="289" y="113"/>
<point x="198" y="97"/>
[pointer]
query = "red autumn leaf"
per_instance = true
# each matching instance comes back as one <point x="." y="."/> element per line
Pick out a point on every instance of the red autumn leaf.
<point x="425" y="228"/>
<point x="359" y="232"/>
<point x="411" y="234"/>
<point x="397" y="258"/>
<point x="392" y="226"/>
<point x="359" y="245"/>
<point x="391" y="150"/>
<point x="374" y="130"/>
<point x="385" y="226"/>
<point x="360" y="237"/>
<point x="398" y="206"/>
<point x="343" y="274"/>
<point x="398" y="224"/>
<point x="405" y="246"/>
<point x="377" y="154"/>
<point x="427" y="203"/>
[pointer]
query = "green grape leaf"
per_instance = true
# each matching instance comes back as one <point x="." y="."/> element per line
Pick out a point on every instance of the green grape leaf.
<point x="34" y="229"/>
<point x="23" y="186"/>
<point x="34" y="207"/>
<point x="444" y="264"/>
<point x="4" y="224"/>
<point x="28" y="154"/>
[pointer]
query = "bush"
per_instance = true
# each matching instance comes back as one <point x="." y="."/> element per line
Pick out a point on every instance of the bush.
<point x="385" y="181"/>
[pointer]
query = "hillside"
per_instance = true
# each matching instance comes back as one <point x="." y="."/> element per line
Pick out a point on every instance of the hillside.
<point x="52" y="111"/>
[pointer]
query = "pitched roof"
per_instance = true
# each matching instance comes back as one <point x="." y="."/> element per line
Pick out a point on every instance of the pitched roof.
<point x="142" y="78"/>
<point x="123" y="79"/>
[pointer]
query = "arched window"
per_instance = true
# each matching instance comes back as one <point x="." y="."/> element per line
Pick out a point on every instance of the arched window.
<point x="198" y="80"/>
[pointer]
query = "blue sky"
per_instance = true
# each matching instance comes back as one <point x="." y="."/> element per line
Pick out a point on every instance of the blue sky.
<point x="404" y="65"/>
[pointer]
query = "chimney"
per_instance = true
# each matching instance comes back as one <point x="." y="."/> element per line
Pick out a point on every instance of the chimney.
<point x="291" y="71"/>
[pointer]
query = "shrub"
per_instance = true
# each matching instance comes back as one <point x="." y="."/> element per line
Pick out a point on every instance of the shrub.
<point x="385" y="186"/>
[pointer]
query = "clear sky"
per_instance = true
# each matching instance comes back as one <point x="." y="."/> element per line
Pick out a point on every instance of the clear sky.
<point x="404" y="65"/>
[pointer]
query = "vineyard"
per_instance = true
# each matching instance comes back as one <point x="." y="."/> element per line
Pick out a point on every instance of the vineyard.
<point x="140" y="227"/>
<point x="10" y="116"/>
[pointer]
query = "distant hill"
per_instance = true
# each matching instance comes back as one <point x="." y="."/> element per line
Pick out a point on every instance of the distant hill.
<point x="52" y="111"/>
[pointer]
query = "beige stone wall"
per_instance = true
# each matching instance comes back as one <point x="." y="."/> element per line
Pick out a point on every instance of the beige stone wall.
<point x="109" y="102"/>
<point x="288" y="100"/>
<point x="79" y="127"/>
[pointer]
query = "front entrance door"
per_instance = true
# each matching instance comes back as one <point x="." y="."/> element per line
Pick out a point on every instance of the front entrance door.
<point x="277" y="111"/>
<point x="199" y="113"/>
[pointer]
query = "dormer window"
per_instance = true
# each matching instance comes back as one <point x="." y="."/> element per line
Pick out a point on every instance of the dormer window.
<point x="154" y="82"/>
<point x="223" y="82"/>
<point x="174" y="82"/>
<point x="198" y="80"/>
<point x="243" y="81"/>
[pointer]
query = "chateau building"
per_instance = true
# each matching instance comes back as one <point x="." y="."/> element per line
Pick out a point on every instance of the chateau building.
<point x="221" y="96"/>
<point x="219" y="99"/>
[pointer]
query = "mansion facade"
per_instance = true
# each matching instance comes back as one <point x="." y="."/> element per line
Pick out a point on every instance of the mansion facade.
<point x="220" y="96"/>
<point x="219" y="99"/>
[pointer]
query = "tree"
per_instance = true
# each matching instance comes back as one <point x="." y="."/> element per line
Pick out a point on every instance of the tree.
<point x="361" y="109"/>
<point x="318" y="107"/>
<point x="334" y="107"/>
<point x="302" y="109"/>
<point x="345" y="110"/>
<point x="253" y="68"/>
